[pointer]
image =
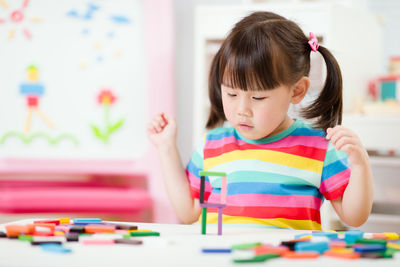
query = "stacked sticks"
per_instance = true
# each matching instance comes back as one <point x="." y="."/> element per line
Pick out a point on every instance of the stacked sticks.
<point x="220" y="206"/>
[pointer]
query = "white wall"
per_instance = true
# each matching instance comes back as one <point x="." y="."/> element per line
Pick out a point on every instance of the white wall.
<point x="184" y="24"/>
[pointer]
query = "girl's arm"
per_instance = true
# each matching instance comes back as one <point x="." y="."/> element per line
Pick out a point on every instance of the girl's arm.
<point x="162" y="131"/>
<point x="355" y="205"/>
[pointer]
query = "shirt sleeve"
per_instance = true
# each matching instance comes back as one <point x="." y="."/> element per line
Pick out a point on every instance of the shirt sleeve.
<point x="335" y="173"/>
<point x="192" y="172"/>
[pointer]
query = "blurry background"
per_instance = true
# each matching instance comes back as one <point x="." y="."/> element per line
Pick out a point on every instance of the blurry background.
<point x="184" y="36"/>
<point x="362" y="34"/>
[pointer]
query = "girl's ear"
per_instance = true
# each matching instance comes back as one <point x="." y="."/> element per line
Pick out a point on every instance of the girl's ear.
<point x="300" y="89"/>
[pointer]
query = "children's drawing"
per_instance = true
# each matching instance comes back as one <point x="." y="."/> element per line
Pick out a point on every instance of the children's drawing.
<point x="88" y="14"/>
<point x="17" y="18"/>
<point x="51" y="107"/>
<point x="32" y="89"/>
<point x="38" y="135"/>
<point x="106" y="99"/>
<point x="101" y="41"/>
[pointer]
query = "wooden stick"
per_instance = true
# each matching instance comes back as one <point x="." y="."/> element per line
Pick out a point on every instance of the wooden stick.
<point x="223" y="190"/>
<point x="203" y="221"/>
<point x="202" y="188"/>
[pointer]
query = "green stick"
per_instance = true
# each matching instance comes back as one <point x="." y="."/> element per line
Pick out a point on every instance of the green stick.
<point x="203" y="221"/>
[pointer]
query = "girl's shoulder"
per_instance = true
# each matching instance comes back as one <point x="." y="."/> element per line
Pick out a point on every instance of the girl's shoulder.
<point x="220" y="132"/>
<point x="304" y="128"/>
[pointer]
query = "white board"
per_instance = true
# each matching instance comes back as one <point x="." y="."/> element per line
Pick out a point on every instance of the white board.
<point x="78" y="49"/>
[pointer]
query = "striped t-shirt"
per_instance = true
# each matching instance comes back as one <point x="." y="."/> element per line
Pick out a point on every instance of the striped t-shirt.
<point x="278" y="181"/>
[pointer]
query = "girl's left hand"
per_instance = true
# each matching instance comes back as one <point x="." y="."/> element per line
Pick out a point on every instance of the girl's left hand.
<point x="346" y="140"/>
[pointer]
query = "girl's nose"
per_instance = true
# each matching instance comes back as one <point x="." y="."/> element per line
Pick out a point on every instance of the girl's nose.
<point x="244" y="108"/>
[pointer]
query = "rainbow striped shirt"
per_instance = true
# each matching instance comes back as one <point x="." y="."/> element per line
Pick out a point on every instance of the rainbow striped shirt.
<point x="278" y="181"/>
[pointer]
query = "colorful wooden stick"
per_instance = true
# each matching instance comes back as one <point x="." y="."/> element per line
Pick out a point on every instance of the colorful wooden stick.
<point x="204" y="205"/>
<point x="223" y="190"/>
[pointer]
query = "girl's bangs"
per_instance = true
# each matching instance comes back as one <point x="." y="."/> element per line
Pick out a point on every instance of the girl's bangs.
<point x="257" y="70"/>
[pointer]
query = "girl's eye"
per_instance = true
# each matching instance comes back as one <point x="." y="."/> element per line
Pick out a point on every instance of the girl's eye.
<point x="259" y="98"/>
<point x="232" y="95"/>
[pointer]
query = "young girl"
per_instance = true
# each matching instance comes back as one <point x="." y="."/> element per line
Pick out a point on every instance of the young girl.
<point x="279" y="168"/>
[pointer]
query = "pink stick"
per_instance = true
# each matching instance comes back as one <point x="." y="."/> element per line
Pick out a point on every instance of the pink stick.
<point x="219" y="221"/>
<point x="97" y="241"/>
<point x="223" y="190"/>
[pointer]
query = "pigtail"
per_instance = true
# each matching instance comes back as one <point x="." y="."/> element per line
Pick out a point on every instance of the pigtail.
<point x="216" y="116"/>
<point x="327" y="108"/>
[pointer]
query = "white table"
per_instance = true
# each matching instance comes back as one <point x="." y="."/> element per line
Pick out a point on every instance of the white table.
<point x="178" y="245"/>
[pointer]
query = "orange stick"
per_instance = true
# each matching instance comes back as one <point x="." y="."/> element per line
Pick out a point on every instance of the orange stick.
<point x="342" y="255"/>
<point x="99" y="229"/>
<point x="300" y="255"/>
<point x="271" y="249"/>
<point x="14" y="230"/>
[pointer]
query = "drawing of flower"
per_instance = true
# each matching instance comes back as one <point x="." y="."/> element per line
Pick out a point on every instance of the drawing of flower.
<point x="106" y="98"/>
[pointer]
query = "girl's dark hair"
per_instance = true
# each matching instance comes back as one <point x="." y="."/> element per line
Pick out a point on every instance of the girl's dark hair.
<point x="264" y="51"/>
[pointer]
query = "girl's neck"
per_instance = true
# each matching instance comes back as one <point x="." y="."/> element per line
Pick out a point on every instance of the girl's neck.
<point x="286" y="123"/>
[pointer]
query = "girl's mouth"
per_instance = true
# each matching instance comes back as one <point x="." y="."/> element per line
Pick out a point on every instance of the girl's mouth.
<point x="245" y="127"/>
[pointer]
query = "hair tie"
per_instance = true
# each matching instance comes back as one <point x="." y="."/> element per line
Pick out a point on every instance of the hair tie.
<point x="313" y="42"/>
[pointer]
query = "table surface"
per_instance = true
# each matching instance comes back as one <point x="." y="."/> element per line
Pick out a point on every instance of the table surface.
<point x="178" y="245"/>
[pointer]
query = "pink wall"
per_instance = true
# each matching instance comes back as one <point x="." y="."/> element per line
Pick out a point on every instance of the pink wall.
<point x="160" y="45"/>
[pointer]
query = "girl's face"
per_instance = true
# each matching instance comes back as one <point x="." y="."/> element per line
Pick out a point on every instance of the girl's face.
<point x="257" y="114"/>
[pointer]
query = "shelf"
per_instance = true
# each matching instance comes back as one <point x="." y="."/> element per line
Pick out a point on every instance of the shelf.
<point x="384" y="219"/>
<point x="386" y="208"/>
<point x="377" y="132"/>
<point x="377" y="161"/>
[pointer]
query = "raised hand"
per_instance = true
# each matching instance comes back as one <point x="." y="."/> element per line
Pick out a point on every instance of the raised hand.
<point x="346" y="140"/>
<point x="162" y="130"/>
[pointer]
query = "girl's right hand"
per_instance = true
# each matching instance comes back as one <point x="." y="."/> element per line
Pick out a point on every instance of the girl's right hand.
<point x="162" y="130"/>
